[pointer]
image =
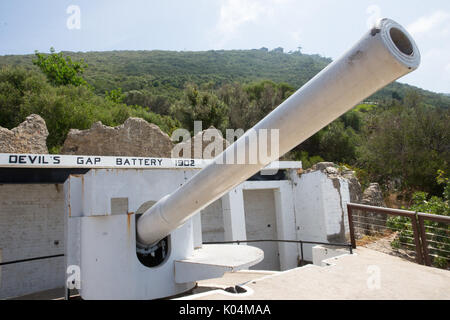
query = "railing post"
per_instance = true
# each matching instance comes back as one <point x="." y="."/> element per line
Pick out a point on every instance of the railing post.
<point x="416" y="239"/>
<point x="423" y="236"/>
<point x="350" y="226"/>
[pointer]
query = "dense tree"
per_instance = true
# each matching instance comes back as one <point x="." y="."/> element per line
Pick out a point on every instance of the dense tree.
<point x="409" y="142"/>
<point x="15" y="85"/>
<point x="155" y="103"/>
<point x="234" y="96"/>
<point x="60" y="70"/>
<point x="115" y="95"/>
<point x="338" y="143"/>
<point x="202" y="106"/>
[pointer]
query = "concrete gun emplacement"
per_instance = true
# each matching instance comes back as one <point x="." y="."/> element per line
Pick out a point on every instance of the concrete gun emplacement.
<point x="143" y="245"/>
<point x="384" y="54"/>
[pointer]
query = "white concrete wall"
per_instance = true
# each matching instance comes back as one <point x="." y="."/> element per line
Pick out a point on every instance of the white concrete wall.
<point x="31" y="220"/>
<point x="212" y="222"/>
<point x="320" y="209"/>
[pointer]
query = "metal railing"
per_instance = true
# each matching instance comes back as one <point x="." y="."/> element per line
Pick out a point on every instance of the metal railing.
<point x="423" y="235"/>
<point x="31" y="259"/>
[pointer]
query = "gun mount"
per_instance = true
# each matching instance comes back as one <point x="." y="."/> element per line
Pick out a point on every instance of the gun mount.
<point x="156" y="255"/>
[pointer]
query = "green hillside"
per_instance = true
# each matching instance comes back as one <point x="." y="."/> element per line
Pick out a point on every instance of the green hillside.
<point x="167" y="72"/>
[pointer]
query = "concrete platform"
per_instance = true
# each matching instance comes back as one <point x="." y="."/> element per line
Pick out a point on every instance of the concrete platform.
<point x="366" y="275"/>
<point x="236" y="278"/>
<point x="52" y="294"/>
<point x="212" y="261"/>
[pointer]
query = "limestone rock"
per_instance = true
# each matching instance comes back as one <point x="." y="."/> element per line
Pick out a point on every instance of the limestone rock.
<point x="371" y="223"/>
<point x="332" y="171"/>
<point x="28" y="137"/>
<point x="136" y="137"/>
<point x="210" y="144"/>
<point x="322" y="166"/>
<point x="373" y="196"/>
<point x="354" y="186"/>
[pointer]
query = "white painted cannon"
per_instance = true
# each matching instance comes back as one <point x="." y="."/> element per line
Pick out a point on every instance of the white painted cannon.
<point x="122" y="256"/>
<point x="383" y="55"/>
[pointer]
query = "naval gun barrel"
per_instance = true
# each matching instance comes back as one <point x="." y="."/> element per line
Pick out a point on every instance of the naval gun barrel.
<point x="384" y="54"/>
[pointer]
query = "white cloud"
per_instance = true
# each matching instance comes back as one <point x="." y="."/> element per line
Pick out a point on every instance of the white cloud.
<point x="234" y="13"/>
<point x="237" y="16"/>
<point x="427" y="23"/>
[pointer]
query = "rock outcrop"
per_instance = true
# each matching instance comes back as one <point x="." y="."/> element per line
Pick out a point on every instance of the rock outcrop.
<point x="333" y="171"/>
<point x="371" y="223"/>
<point x="373" y="196"/>
<point x="136" y="137"/>
<point x="28" y="137"/>
<point x="206" y="144"/>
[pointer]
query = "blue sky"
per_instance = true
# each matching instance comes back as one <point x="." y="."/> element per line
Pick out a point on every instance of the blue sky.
<point x="325" y="27"/>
